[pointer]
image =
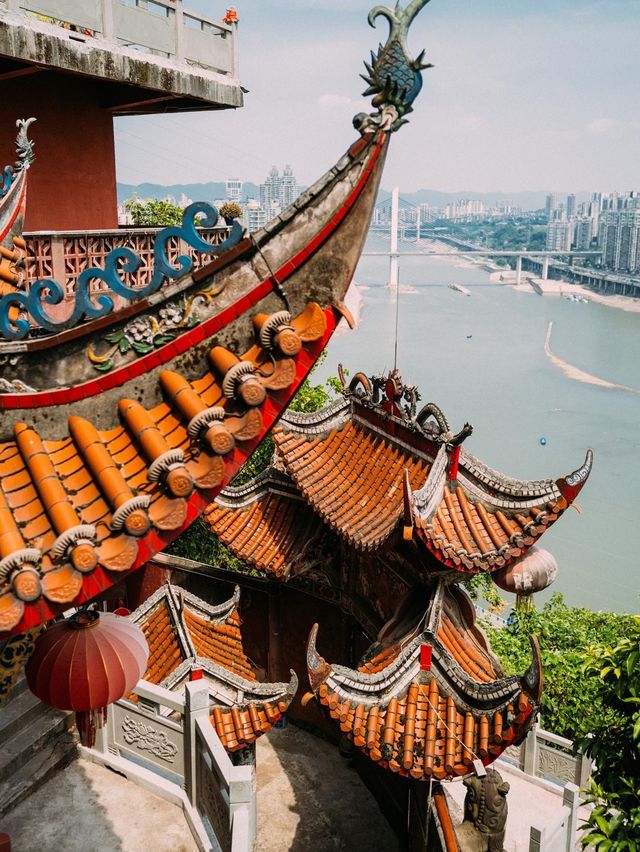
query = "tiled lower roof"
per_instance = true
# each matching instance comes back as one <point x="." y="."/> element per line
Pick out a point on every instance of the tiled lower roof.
<point x="221" y="643"/>
<point x="165" y="653"/>
<point x="429" y="720"/>
<point x="240" y="726"/>
<point x="482" y="520"/>
<point x="184" y="633"/>
<point x="266" y="524"/>
<point x="352" y="477"/>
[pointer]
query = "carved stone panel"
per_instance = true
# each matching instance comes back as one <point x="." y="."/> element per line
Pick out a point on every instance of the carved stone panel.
<point x="557" y="765"/>
<point x="212" y="802"/>
<point x="148" y="738"/>
<point x="153" y="739"/>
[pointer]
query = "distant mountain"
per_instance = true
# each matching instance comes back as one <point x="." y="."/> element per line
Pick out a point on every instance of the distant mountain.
<point x="527" y="200"/>
<point x="195" y="191"/>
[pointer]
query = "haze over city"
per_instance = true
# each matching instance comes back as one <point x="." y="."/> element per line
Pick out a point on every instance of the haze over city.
<point x="522" y="96"/>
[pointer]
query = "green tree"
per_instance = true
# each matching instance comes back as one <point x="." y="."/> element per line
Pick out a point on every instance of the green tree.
<point x="153" y="213"/>
<point x="565" y="634"/>
<point x="614" y="823"/>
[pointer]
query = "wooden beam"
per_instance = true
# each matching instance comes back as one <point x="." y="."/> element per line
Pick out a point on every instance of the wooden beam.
<point x="20" y="72"/>
<point x="143" y="103"/>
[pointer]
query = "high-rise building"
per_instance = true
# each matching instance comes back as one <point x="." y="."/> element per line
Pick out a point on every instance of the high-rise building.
<point x="288" y="188"/>
<point x="280" y="188"/>
<point x="254" y="216"/>
<point x="559" y="235"/>
<point x="234" y="190"/>
<point x="619" y="239"/>
<point x="428" y="213"/>
<point x="270" y="189"/>
<point x="583" y="233"/>
<point x="571" y="205"/>
<point x="464" y="209"/>
<point x="550" y="205"/>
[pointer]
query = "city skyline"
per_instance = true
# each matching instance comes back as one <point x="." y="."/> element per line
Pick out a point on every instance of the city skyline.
<point x="540" y="98"/>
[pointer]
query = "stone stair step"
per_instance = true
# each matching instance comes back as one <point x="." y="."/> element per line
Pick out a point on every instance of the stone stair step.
<point x="19" y="687"/>
<point x="34" y="773"/>
<point x="17" y="713"/>
<point x="38" y="736"/>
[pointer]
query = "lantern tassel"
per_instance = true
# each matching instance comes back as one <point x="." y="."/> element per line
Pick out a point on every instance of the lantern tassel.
<point x="88" y="722"/>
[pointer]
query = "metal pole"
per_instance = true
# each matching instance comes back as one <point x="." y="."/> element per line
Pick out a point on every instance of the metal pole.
<point x="393" y="254"/>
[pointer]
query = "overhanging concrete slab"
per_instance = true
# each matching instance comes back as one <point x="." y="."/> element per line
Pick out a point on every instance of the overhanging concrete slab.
<point x="46" y="46"/>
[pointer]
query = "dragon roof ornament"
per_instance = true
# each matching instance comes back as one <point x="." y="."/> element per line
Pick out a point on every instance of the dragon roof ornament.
<point x="393" y="76"/>
<point x="389" y="393"/>
<point x="24" y="151"/>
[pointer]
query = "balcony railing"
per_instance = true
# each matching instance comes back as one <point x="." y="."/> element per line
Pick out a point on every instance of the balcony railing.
<point x="165" y="742"/>
<point x="158" y="27"/>
<point x="63" y="256"/>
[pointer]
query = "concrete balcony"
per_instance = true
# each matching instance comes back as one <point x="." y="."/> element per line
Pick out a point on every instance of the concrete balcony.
<point x="166" y="56"/>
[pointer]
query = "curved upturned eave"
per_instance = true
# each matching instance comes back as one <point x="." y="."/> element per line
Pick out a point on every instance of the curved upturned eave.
<point x="484" y="520"/>
<point x="156" y="539"/>
<point x="378" y="688"/>
<point x="411" y="722"/>
<point x="270" y="262"/>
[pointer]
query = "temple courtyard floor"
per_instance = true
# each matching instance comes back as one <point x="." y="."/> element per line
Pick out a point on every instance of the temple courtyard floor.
<point x="308" y="798"/>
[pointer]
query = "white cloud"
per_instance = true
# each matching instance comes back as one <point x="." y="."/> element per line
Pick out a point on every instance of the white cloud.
<point x="604" y="126"/>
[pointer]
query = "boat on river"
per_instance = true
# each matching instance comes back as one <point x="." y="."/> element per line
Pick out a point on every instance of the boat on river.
<point x="460" y="289"/>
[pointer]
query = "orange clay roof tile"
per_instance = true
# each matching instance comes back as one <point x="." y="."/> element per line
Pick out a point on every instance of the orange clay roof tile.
<point x="352" y="478"/>
<point x="347" y="463"/>
<point x="86" y="503"/>
<point x="266" y="526"/>
<point x="185" y="633"/>
<point x="433" y="722"/>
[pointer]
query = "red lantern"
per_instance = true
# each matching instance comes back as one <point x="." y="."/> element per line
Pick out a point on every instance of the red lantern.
<point x="85" y="663"/>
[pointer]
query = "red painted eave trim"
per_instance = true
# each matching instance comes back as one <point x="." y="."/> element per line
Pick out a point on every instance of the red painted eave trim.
<point x="206" y="329"/>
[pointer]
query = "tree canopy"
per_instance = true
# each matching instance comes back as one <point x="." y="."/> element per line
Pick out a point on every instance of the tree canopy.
<point x="153" y="213"/>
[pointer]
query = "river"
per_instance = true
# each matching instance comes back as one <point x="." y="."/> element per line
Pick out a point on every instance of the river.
<point x="481" y="358"/>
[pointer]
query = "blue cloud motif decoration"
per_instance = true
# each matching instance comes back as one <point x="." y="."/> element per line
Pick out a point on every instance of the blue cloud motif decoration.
<point x="119" y="262"/>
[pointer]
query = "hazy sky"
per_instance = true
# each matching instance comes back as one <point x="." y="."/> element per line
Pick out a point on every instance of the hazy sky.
<point x="526" y="94"/>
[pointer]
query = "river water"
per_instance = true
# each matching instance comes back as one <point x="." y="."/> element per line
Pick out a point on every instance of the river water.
<point x="481" y="358"/>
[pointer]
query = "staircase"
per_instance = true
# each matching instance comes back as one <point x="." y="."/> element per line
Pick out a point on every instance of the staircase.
<point x="35" y="742"/>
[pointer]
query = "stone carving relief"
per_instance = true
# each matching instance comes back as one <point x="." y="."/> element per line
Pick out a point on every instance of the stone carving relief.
<point x="146" y="738"/>
<point x="556" y="765"/>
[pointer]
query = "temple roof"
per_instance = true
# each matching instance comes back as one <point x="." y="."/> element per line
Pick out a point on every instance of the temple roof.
<point x="433" y="699"/>
<point x="351" y="475"/>
<point x="368" y="462"/>
<point x="77" y="511"/>
<point x="186" y="634"/>
<point x="267" y="521"/>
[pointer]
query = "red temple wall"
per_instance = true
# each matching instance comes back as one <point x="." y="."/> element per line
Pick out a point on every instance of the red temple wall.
<point x="72" y="183"/>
